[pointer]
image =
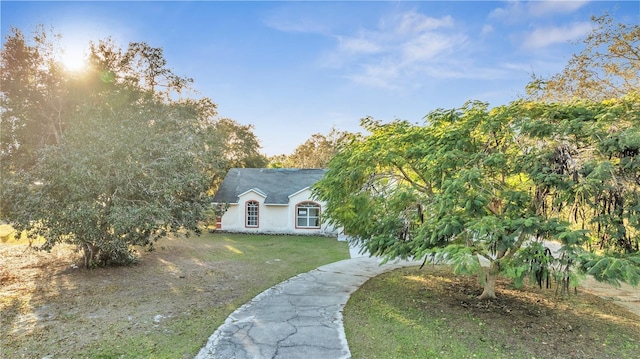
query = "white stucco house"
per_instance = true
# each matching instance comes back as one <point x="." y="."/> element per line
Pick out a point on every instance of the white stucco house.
<point x="271" y="200"/>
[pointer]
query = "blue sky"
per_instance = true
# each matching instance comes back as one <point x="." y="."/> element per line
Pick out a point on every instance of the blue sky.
<point x="294" y="68"/>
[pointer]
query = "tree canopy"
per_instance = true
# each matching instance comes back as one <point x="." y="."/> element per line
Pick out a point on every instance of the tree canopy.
<point x="607" y="67"/>
<point x="315" y="152"/>
<point x="478" y="185"/>
<point x="114" y="157"/>
<point x="488" y="190"/>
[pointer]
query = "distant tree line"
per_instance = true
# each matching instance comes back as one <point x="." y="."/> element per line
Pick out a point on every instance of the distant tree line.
<point x="316" y="152"/>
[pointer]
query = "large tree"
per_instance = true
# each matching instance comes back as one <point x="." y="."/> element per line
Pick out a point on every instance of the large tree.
<point x="133" y="157"/>
<point x="124" y="175"/>
<point x="476" y="186"/>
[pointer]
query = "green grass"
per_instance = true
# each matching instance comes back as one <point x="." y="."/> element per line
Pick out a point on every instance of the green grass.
<point x="383" y="320"/>
<point x="269" y="261"/>
<point x="195" y="282"/>
<point x="429" y="313"/>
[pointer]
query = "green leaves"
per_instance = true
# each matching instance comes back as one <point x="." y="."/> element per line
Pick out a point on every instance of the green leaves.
<point x="613" y="269"/>
<point x="128" y="165"/>
<point x="122" y="180"/>
<point x="462" y="258"/>
<point x="585" y="167"/>
<point x="474" y="181"/>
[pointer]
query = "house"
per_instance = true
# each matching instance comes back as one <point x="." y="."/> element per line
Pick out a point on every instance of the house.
<point x="271" y="200"/>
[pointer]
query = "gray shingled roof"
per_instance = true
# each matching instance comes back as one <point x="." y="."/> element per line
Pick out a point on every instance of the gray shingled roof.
<point x="276" y="183"/>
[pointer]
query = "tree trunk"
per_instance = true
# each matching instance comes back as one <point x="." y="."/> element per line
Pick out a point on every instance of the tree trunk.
<point x="90" y="254"/>
<point x="490" y="274"/>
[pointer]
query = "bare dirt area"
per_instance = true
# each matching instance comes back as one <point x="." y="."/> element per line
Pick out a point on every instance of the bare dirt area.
<point x="165" y="307"/>
<point x="46" y="299"/>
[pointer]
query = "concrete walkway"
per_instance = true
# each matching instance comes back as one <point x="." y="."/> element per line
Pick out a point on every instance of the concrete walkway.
<point x="298" y="318"/>
<point x="302" y="317"/>
<point x="625" y="295"/>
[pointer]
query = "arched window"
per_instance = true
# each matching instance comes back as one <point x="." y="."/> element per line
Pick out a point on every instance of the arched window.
<point x="308" y="215"/>
<point x="252" y="214"/>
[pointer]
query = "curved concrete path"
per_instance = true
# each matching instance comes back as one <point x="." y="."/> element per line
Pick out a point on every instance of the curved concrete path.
<point x="302" y="316"/>
<point x="298" y="318"/>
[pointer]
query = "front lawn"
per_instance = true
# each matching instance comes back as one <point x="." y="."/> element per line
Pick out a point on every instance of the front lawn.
<point x="429" y="313"/>
<point x="165" y="307"/>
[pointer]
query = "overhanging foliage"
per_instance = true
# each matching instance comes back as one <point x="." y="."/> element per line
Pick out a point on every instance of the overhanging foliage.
<point x="496" y="181"/>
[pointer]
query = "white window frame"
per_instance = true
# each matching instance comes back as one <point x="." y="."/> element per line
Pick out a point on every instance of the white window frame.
<point x="304" y="213"/>
<point x="252" y="214"/>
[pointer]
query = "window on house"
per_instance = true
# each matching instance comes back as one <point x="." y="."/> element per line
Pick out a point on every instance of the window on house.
<point x="252" y="214"/>
<point x="308" y="215"/>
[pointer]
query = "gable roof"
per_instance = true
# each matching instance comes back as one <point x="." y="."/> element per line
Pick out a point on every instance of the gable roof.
<point x="276" y="183"/>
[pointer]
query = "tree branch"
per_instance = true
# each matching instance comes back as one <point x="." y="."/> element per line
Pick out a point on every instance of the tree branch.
<point x="405" y="175"/>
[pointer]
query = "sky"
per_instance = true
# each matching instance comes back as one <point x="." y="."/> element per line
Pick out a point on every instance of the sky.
<point x="295" y="68"/>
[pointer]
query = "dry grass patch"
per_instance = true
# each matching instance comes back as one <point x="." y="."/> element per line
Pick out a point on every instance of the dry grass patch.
<point x="164" y="307"/>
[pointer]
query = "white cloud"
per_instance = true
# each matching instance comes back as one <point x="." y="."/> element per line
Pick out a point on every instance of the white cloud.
<point x="465" y="70"/>
<point x="302" y="25"/>
<point x="545" y="8"/>
<point x="543" y="37"/>
<point x="392" y="53"/>
<point x="413" y="22"/>
<point x="520" y="67"/>
<point x="298" y="20"/>
<point x="428" y="46"/>
<point x="487" y="29"/>
<point x="381" y="74"/>
<point x="513" y="10"/>
<point x="359" y="45"/>
<point x="517" y="10"/>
